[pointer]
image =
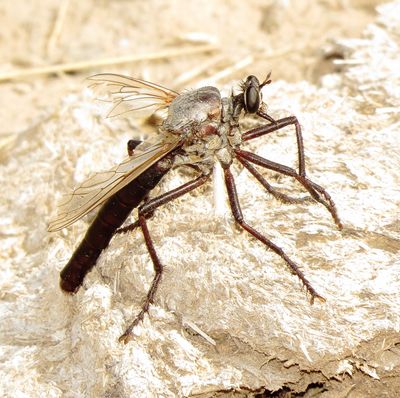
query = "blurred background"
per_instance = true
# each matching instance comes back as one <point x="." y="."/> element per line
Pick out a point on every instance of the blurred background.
<point x="48" y="47"/>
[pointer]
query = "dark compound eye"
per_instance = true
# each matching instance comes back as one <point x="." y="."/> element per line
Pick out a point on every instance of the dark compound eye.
<point x="252" y="94"/>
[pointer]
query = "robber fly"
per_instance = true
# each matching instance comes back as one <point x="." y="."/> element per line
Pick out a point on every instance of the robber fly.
<point x="200" y="128"/>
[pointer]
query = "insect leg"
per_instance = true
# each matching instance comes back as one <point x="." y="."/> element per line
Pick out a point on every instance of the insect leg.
<point x="277" y="125"/>
<point x="158" y="268"/>
<point x="273" y="191"/>
<point x="144" y="211"/>
<point x="128" y="228"/>
<point x="237" y="214"/>
<point x="147" y="208"/>
<point x="316" y="191"/>
<point x="175" y="193"/>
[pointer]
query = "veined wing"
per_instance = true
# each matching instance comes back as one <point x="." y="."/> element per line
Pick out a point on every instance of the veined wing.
<point x="130" y="94"/>
<point x="101" y="186"/>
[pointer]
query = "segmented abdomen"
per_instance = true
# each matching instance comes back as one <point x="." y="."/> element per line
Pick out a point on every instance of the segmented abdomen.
<point x="110" y="217"/>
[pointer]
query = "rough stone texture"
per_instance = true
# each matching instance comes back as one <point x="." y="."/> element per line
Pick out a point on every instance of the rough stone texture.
<point x="229" y="319"/>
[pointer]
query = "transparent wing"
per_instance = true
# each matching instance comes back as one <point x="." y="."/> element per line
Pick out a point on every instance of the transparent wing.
<point x="129" y="94"/>
<point x="101" y="186"/>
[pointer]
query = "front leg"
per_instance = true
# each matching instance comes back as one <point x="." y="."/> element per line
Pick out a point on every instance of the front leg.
<point x="278" y="125"/>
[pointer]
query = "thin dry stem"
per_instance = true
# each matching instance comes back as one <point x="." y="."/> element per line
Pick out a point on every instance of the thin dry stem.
<point x="78" y="66"/>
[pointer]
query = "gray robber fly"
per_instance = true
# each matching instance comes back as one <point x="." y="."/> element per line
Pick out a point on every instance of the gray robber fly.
<point x="200" y="128"/>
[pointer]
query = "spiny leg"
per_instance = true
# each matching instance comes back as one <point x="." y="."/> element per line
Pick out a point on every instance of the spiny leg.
<point x="237" y="214"/>
<point x="130" y="227"/>
<point x="315" y="190"/>
<point x="148" y="207"/>
<point x="278" y="125"/>
<point x="145" y="211"/>
<point x="158" y="268"/>
<point x="274" y="192"/>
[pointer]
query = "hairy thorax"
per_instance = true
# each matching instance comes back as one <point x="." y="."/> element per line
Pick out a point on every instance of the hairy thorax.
<point x="208" y="125"/>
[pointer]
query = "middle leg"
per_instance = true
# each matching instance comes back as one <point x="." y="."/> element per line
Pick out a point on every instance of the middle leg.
<point x="278" y="125"/>
<point x="273" y="191"/>
<point x="316" y="191"/>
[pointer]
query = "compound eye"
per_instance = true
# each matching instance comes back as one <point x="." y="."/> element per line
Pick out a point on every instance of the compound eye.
<point x="252" y="99"/>
<point x="252" y="95"/>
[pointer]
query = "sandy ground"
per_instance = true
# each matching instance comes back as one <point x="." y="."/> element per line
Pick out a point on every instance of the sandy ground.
<point x="355" y="355"/>
<point x="288" y="38"/>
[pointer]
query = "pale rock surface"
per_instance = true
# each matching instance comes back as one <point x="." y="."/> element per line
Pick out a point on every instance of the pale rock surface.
<point x="229" y="316"/>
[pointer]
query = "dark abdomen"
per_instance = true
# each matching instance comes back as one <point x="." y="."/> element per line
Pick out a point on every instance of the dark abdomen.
<point x="110" y="217"/>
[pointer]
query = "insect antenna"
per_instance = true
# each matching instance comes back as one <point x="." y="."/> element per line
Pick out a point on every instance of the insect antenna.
<point x="266" y="81"/>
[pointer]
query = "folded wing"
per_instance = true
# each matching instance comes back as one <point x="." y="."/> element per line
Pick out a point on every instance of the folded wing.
<point x="101" y="186"/>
